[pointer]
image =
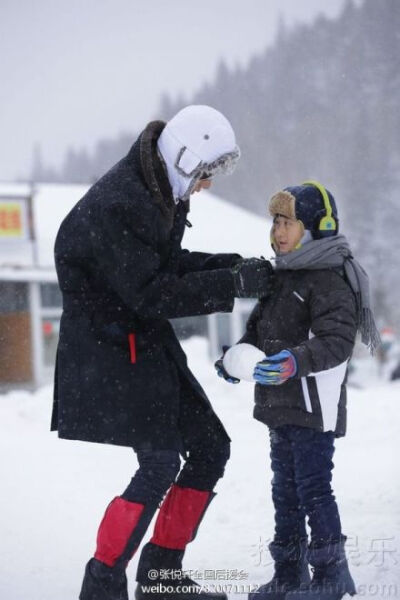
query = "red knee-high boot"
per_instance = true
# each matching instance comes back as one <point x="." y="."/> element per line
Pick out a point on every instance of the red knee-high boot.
<point x="116" y="528"/>
<point x="120" y="533"/>
<point x="177" y="523"/>
<point x="179" y="517"/>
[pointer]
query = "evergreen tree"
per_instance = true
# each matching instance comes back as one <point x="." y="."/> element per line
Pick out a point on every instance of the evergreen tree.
<point x="322" y="102"/>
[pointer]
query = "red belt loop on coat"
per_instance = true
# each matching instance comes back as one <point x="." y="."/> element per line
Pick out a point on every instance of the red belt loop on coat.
<point x="132" y="347"/>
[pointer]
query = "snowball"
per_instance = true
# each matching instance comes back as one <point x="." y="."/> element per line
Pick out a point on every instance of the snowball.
<point x="240" y="361"/>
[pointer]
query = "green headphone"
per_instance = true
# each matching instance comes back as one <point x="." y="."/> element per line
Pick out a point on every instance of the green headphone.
<point x="327" y="223"/>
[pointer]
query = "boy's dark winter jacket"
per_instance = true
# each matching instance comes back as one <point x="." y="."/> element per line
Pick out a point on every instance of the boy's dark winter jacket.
<point x="312" y="313"/>
<point x="123" y="274"/>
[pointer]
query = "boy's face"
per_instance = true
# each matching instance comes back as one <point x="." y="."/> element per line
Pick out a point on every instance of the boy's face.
<point x="287" y="233"/>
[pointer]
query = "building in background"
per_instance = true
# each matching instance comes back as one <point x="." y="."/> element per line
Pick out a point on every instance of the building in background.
<point x="30" y="300"/>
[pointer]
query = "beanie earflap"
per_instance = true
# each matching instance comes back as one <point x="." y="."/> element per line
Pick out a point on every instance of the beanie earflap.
<point x="283" y="203"/>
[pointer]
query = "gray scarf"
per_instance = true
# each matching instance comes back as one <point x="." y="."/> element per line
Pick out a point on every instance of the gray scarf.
<point x="333" y="252"/>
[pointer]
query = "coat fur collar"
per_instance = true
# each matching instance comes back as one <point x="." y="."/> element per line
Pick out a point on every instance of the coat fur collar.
<point x="155" y="174"/>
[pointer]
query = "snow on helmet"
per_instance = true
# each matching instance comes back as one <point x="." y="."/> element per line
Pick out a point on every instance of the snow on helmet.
<point x="197" y="142"/>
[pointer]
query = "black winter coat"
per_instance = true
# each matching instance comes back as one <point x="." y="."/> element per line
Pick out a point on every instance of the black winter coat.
<point x="123" y="274"/>
<point x="312" y="314"/>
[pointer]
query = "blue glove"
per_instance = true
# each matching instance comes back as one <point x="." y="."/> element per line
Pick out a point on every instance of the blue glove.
<point x="221" y="371"/>
<point x="275" y="369"/>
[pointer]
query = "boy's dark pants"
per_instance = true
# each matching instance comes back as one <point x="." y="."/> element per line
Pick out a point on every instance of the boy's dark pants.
<point x="301" y="460"/>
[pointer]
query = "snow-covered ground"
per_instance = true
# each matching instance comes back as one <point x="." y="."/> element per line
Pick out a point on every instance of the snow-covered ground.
<point x="54" y="493"/>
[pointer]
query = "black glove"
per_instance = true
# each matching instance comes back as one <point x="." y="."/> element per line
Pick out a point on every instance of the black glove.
<point x="252" y="278"/>
<point x="221" y="371"/>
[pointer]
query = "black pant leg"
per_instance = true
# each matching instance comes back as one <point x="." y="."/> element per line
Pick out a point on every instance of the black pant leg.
<point x="157" y="471"/>
<point x="206" y="443"/>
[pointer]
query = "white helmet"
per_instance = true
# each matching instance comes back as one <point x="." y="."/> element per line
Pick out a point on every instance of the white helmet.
<point x="198" y="141"/>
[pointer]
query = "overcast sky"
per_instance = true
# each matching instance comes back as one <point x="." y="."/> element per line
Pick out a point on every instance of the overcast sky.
<point x="72" y="71"/>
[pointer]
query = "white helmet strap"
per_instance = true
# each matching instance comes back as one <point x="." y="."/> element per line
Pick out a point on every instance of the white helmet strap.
<point x="182" y="171"/>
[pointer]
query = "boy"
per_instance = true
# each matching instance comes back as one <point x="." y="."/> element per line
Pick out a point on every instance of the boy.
<point x="302" y="335"/>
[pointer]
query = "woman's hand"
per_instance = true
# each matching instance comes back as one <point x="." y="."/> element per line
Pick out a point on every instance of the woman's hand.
<point x="221" y="371"/>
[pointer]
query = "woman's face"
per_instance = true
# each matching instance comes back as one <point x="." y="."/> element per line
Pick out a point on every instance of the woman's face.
<point x="202" y="184"/>
<point x="286" y="233"/>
